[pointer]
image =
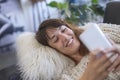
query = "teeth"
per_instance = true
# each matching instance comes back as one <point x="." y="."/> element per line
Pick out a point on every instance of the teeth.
<point x="69" y="42"/>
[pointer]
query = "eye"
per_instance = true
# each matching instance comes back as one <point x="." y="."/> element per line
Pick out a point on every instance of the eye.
<point x="63" y="30"/>
<point x="55" y="39"/>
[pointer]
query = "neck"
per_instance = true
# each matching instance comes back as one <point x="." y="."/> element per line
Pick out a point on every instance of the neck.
<point x="76" y="57"/>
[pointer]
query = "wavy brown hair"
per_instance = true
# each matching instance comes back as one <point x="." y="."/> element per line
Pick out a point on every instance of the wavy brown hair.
<point x="42" y="36"/>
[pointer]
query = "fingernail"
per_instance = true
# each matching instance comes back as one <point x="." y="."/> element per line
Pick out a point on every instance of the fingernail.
<point x="113" y="69"/>
<point x="109" y="69"/>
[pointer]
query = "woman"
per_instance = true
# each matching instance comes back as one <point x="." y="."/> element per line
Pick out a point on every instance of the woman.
<point x="63" y="37"/>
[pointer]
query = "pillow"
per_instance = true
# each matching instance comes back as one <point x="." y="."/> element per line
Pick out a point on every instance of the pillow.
<point x="38" y="62"/>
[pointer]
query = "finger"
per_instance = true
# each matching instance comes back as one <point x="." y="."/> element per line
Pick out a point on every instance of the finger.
<point x="92" y="57"/>
<point x="114" y="44"/>
<point x="112" y="50"/>
<point x="104" y="75"/>
<point x="104" y="60"/>
<point x="118" y="50"/>
<point x="117" y="68"/>
<point x="106" y="65"/>
<point x="115" y="64"/>
<point x="94" y="53"/>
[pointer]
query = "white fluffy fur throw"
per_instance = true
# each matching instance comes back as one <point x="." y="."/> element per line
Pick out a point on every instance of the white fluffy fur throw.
<point x="38" y="62"/>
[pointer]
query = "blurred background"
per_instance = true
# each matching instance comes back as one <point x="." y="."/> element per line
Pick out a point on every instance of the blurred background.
<point x="17" y="16"/>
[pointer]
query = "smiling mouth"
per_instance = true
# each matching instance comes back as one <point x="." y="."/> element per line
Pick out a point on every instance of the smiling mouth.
<point x="70" y="41"/>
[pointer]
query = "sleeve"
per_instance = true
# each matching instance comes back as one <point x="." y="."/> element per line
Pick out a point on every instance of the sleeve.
<point x="70" y="74"/>
<point x="76" y="72"/>
<point x="111" y="30"/>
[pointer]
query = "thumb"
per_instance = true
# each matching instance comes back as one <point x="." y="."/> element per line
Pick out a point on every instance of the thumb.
<point x="95" y="54"/>
<point x="92" y="56"/>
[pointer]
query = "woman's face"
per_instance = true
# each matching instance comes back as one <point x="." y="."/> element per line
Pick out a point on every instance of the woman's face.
<point x="63" y="39"/>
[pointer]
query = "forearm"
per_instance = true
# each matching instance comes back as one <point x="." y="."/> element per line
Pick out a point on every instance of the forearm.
<point x="83" y="78"/>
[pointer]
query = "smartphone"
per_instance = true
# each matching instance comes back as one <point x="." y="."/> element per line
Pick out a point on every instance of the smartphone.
<point x="94" y="38"/>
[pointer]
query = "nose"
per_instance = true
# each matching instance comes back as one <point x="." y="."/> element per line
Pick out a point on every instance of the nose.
<point x="63" y="37"/>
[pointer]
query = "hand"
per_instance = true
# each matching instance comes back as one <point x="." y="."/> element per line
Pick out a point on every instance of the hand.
<point x="116" y="64"/>
<point x="114" y="45"/>
<point x="97" y="67"/>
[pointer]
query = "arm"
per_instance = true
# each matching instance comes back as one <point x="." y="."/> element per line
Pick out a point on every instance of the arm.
<point x="95" y="69"/>
<point x="113" y="32"/>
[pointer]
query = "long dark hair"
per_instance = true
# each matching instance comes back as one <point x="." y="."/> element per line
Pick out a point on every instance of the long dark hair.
<point x="42" y="36"/>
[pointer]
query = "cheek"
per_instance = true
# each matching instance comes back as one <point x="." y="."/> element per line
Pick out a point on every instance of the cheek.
<point x="70" y="31"/>
<point x="57" y="46"/>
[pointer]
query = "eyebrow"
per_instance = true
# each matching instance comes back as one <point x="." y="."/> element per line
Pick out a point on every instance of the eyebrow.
<point x="57" y="30"/>
<point x="52" y="36"/>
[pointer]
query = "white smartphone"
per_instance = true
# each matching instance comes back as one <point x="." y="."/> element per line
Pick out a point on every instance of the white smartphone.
<point x="94" y="38"/>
